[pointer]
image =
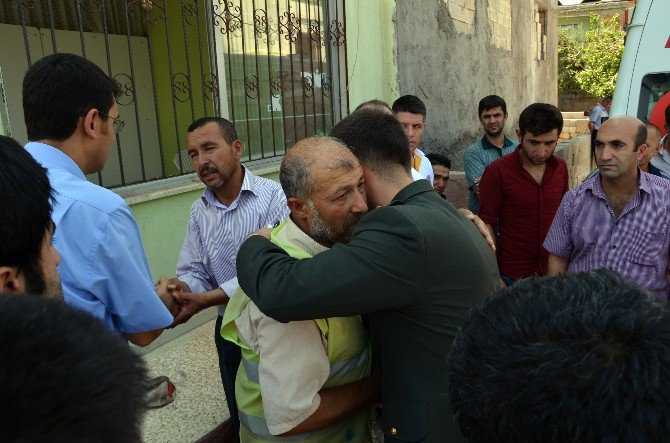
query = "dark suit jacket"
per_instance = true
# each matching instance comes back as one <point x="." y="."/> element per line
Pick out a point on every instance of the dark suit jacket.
<point x="416" y="266"/>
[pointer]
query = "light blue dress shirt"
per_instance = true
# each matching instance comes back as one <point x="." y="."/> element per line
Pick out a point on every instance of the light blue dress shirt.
<point x="103" y="268"/>
<point x="215" y="233"/>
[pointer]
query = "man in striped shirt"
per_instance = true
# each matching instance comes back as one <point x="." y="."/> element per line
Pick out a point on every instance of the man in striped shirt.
<point x="234" y="204"/>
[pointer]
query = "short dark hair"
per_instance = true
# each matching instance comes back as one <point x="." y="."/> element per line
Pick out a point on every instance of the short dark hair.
<point x="376" y="139"/>
<point x="58" y="89"/>
<point x="226" y="128"/>
<point x="640" y="136"/>
<point x="490" y="102"/>
<point x="25" y="203"/>
<point x="576" y="357"/>
<point x="409" y="103"/>
<point x="540" y="118"/>
<point x="438" y="159"/>
<point x="65" y="377"/>
<point x="373" y="102"/>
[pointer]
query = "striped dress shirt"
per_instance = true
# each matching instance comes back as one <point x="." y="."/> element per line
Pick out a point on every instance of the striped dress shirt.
<point x="215" y="233"/>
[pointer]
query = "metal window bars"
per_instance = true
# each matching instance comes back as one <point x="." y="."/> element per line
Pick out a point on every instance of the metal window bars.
<point x="276" y="68"/>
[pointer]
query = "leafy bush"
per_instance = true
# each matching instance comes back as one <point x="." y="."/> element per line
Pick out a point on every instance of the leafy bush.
<point x="591" y="64"/>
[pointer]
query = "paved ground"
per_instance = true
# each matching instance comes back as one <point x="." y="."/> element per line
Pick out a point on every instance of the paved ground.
<point x="190" y="361"/>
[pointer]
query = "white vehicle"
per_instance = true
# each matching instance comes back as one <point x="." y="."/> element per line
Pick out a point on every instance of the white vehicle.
<point x="643" y="85"/>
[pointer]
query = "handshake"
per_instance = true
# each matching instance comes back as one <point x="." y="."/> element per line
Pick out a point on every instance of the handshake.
<point x="181" y="302"/>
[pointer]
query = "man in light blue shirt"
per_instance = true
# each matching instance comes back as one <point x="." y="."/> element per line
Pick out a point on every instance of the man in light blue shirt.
<point x="493" y="116"/>
<point x="235" y="204"/>
<point x="71" y="118"/>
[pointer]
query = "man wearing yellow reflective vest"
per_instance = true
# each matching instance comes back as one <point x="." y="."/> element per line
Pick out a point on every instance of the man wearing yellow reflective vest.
<point x="307" y="380"/>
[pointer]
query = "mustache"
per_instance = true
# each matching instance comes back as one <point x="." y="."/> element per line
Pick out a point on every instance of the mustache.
<point x="208" y="169"/>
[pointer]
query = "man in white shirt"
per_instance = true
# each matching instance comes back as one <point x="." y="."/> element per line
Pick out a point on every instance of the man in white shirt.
<point x="411" y="113"/>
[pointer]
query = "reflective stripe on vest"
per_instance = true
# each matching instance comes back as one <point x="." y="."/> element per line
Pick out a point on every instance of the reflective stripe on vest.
<point x="348" y="352"/>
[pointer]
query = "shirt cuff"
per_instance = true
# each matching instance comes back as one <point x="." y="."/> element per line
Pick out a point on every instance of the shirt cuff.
<point x="230" y="286"/>
<point x="196" y="285"/>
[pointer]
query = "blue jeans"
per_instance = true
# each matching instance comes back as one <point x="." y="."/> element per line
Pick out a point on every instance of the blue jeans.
<point x="229" y="360"/>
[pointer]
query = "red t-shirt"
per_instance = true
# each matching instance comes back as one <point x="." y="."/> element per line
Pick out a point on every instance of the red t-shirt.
<point x="523" y="211"/>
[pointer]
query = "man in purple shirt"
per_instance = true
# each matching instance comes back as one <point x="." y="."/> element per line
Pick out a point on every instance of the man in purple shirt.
<point x="618" y="219"/>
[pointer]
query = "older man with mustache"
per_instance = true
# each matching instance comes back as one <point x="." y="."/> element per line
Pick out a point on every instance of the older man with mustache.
<point x="234" y="204"/>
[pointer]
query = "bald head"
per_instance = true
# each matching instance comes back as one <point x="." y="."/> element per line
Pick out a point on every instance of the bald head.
<point x="302" y="163"/>
<point x="627" y="125"/>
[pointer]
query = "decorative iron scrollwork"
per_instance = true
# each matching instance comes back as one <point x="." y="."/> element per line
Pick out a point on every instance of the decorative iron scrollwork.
<point x="251" y="87"/>
<point x="308" y="86"/>
<point x="211" y="86"/>
<point x="336" y="32"/>
<point x="275" y="85"/>
<point x="151" y="10"/>
<point x="228" y="22"/>
<point x="326" y="87"/>
<point x="289" y="26"/>
<point x="315" y="31"/>
<point x="125" y="82"/>
<point x="190" y="13"/>
<point x="181" y="88"/>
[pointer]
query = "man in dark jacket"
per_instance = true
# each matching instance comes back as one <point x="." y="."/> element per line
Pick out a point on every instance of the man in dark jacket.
<point x="414" y="264"/>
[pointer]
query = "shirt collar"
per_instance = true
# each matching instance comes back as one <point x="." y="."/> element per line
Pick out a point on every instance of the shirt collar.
<point x="597" y="188"/>
<point x="295" y="236"/>
<point x="414" y="188"/>
<point x="248" y="186"/>
<point x="53" y="158"/>
<point x="486" y="144"/>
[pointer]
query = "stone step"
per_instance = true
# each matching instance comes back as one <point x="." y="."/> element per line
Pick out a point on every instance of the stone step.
<point x="575" y="114"/>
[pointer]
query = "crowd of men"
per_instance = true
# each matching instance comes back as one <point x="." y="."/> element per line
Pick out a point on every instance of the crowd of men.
<point x="355" y="304"/>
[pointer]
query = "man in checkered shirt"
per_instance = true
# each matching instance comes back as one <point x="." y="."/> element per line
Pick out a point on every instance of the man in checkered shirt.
<point x="618" y="219"/>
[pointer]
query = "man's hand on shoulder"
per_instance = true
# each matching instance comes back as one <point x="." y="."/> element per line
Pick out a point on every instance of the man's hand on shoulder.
<point x="479" y="223"/>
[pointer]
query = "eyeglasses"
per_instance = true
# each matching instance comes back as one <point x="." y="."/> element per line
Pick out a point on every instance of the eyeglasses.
<point x="118" y="123"/>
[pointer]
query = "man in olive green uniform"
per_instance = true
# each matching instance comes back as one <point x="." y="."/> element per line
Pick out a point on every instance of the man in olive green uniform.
<point x="414" y="264"/>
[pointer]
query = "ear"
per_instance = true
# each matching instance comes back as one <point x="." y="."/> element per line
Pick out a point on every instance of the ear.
<point x="238" y="148"/>
<point x="641" y="151"/>
<point x="89" y="123"/>
<point x="299" y="210"/>
<point x="10" y="281"/>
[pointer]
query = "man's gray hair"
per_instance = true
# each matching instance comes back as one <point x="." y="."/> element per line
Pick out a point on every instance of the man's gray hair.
<point x="294" y="173"/>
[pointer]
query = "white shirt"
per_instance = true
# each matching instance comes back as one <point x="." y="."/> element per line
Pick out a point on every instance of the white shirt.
<point x="293" y="364"/>
<point x="425" y="168"/>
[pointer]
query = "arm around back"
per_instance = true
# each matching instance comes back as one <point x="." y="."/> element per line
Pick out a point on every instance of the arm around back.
<point x="376" y="270"/>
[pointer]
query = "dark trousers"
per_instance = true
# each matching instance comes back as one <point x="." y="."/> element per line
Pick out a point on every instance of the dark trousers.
<point x="229" y="360"/>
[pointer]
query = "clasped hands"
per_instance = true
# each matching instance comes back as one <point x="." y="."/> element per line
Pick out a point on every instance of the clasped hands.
<point x="178" y="298"/>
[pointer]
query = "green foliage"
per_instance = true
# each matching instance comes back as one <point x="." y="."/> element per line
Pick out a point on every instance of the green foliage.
<point x="569" y="62"/>
<point x="591" y="64"/>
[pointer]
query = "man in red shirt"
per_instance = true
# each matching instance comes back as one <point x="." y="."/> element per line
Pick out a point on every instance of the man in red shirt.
<point x="521" y="193"/>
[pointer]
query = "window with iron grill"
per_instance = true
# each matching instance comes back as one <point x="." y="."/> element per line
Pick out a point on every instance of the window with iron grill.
<point x="276" y="68"/>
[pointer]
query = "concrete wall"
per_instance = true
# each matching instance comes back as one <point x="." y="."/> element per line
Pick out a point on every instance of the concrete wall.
<point x="577" y="154"/>
<point x="451" y="53"/>
<point x="370" y="51"/>
<point x="576" y="102"/>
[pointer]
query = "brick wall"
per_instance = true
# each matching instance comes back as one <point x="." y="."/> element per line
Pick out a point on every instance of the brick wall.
<point x="500" y="21"/>
<point x="577" y="154"/>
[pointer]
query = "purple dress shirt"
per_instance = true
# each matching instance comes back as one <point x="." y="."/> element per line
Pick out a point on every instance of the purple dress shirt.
<point x="636" y="244"/>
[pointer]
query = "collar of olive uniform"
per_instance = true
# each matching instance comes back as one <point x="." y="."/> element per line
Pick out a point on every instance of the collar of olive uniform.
<point x="414" y="188"/>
